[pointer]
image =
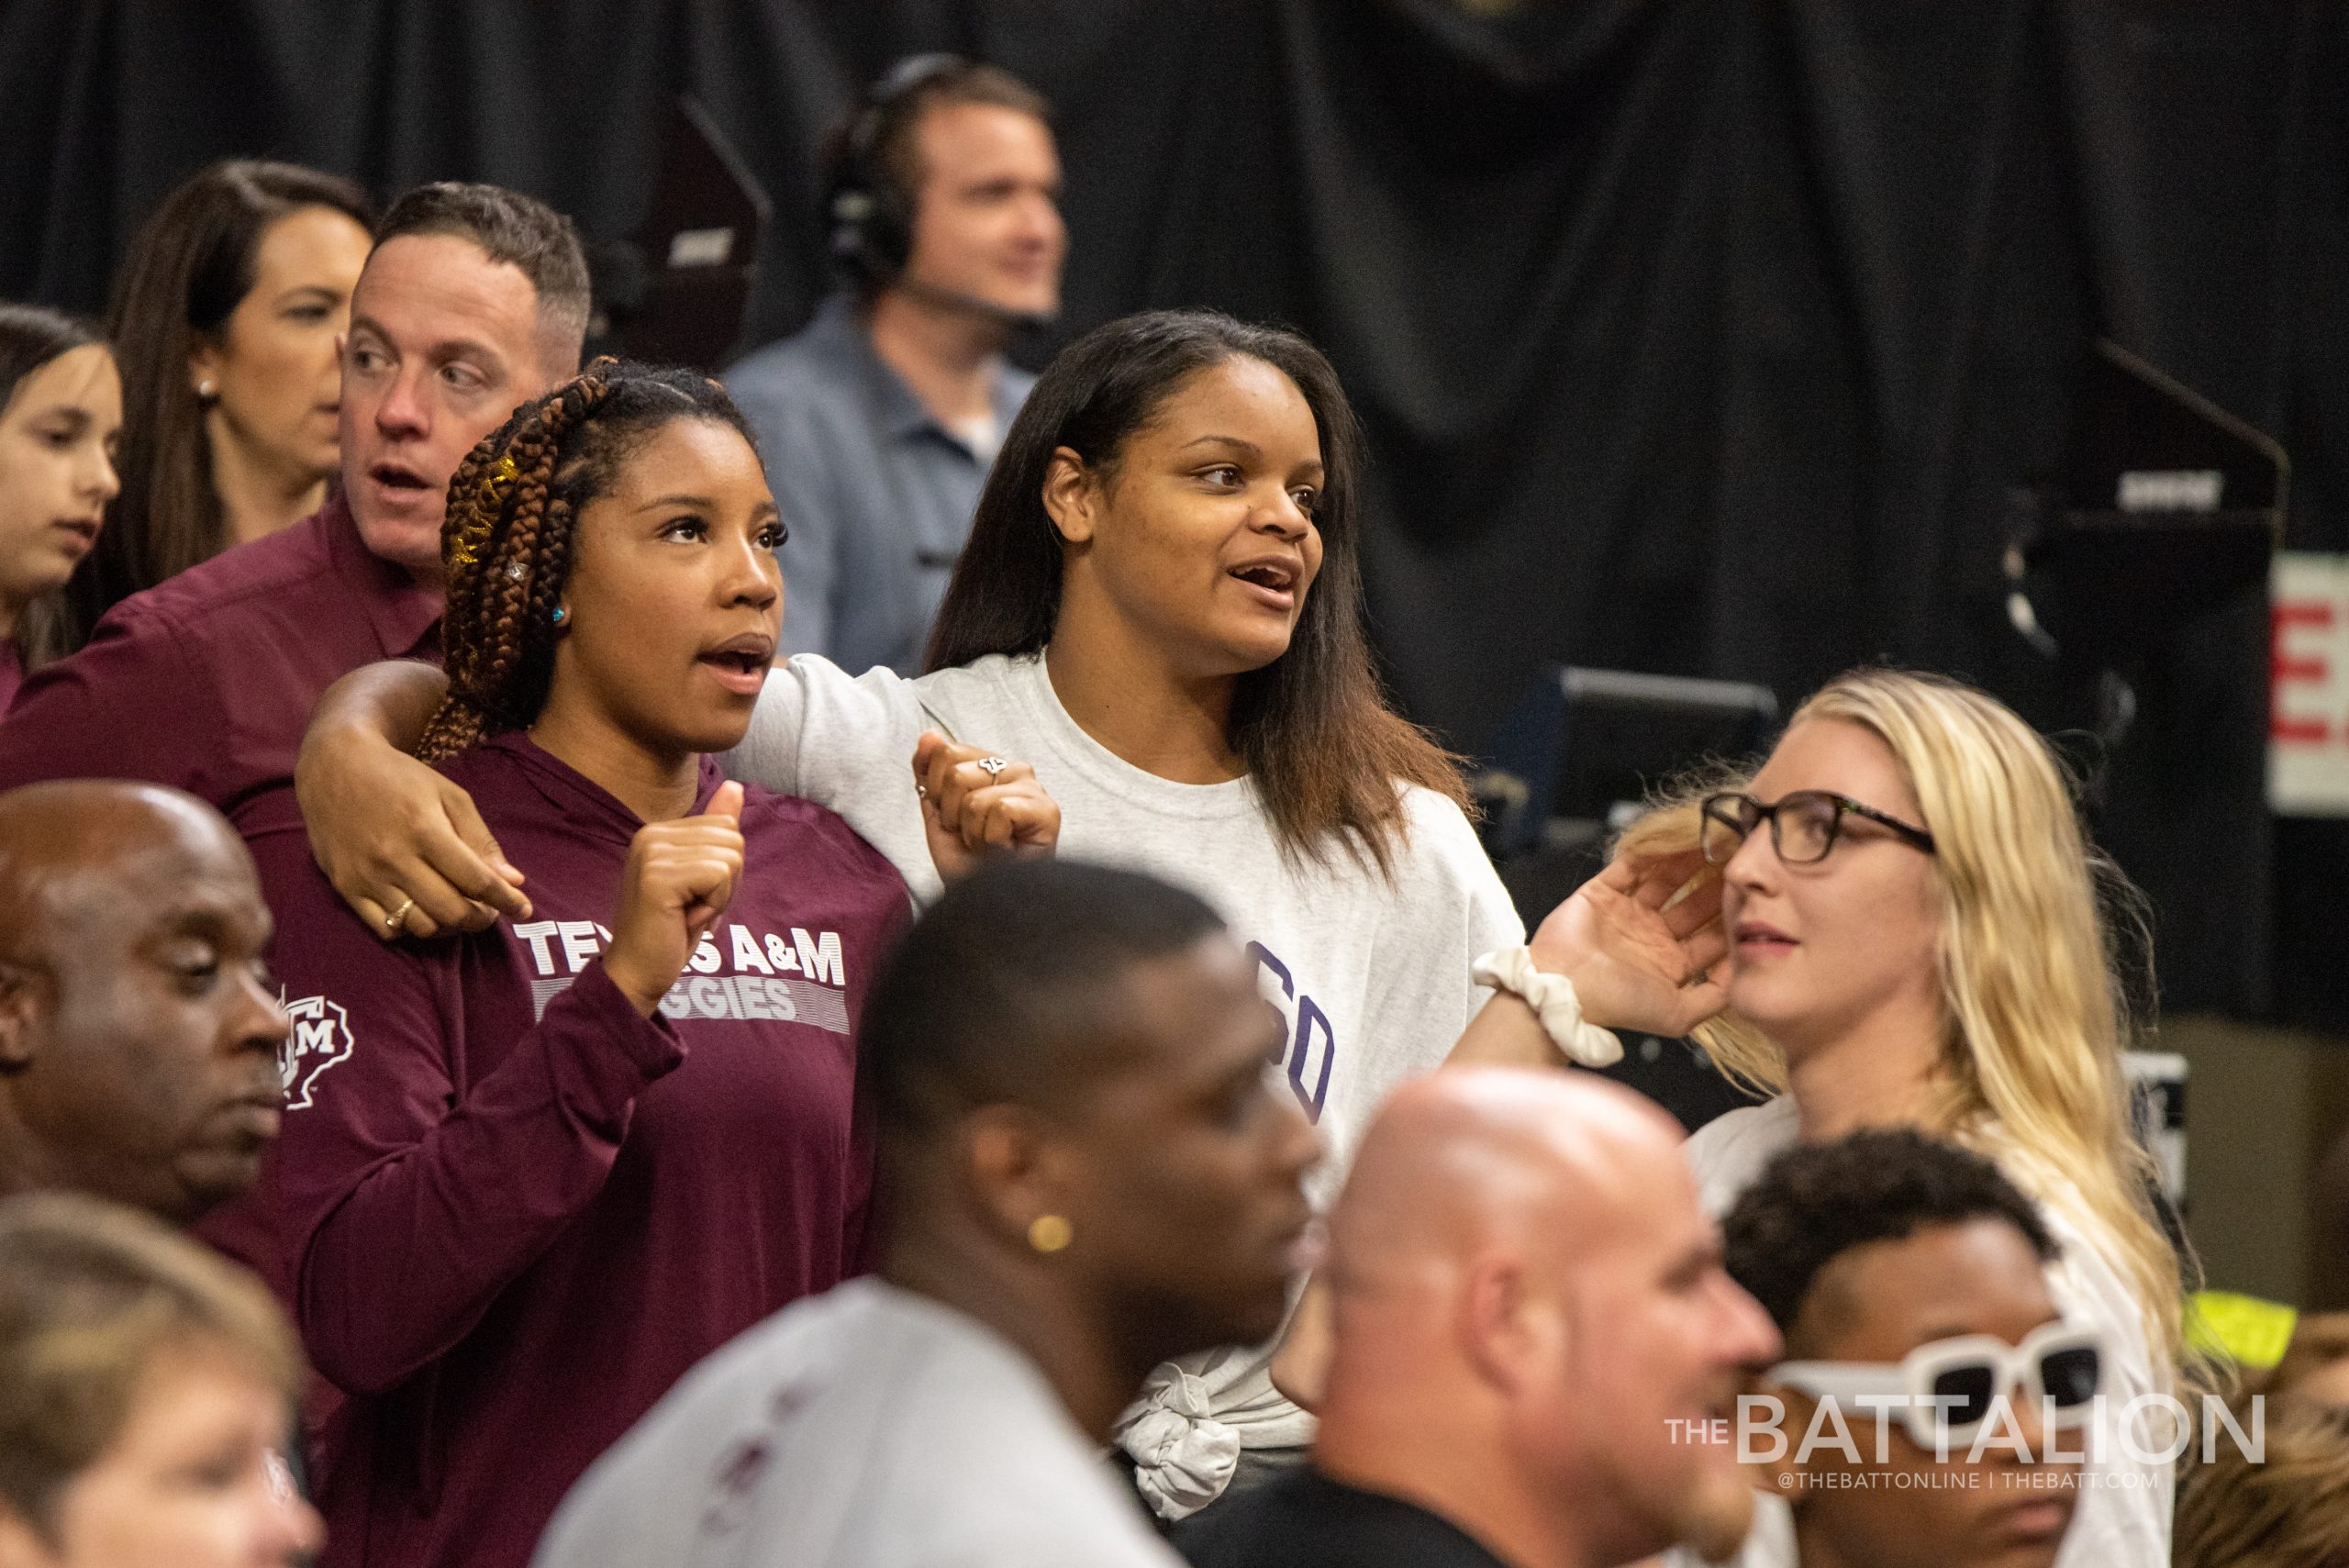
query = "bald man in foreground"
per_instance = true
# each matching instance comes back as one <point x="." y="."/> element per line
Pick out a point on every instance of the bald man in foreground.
<point x="1533" y="1330"/>
<point x="138" y="1038"/>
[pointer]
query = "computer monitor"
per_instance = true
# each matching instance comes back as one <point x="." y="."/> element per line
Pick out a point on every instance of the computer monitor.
<point x="1586" y="746"/>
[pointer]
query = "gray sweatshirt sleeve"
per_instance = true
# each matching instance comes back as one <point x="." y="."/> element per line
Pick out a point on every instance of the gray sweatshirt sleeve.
<point x="847" y="743"/>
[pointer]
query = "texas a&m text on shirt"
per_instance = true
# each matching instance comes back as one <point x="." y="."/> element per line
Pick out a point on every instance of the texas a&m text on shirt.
<point x="514" y="1210"/>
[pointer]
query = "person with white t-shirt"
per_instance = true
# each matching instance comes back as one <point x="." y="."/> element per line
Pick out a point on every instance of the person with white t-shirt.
<point x="1896" y="922"/>
<point x="1085" y="1170"/>
<point x="1159" y="610"/>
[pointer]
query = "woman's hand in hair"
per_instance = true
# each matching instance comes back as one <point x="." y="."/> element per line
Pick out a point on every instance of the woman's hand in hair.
<point x="971" y="812"/>
<point x="679" y="878"/>
<point x="1646" y="949"/>
<point x="390" y="833"/>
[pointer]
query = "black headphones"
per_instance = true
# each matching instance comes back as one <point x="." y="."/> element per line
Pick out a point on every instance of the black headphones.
<point x="872" y="214"/>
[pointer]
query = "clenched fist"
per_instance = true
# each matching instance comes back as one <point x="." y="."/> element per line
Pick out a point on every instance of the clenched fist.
<point x="971" y="810"/>
<point x="679" y="878"/>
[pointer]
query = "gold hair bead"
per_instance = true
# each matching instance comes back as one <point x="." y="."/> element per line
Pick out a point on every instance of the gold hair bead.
<point x="466" y="540"/>
<point x="499" y="479"/>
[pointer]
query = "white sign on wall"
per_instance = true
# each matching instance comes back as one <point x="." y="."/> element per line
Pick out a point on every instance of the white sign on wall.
<point x="2307" y="714"/>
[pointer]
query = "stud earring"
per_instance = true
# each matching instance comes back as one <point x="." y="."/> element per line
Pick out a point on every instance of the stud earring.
<point x="204" y="390"/>
<point x="561" y="615"/>
<point x="1050" y="1233"/>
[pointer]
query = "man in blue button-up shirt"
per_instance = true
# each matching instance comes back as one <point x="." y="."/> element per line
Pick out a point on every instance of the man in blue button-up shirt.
<point x="880" y="421"/>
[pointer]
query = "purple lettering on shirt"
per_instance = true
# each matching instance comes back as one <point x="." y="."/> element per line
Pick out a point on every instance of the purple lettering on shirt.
<point x="1298" y="1055"/>
<point x="1311" y="1017"/>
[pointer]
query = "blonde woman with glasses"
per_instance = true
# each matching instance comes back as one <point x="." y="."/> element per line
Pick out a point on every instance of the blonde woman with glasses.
<point x="1897" y="921"/>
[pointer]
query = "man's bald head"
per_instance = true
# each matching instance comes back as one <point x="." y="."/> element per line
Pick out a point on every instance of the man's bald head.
<point x="138" y="1038"/>
<point x="1530" y="1315"/>
<point x="1462" y="1162"/>
<point x="71" y="851"/>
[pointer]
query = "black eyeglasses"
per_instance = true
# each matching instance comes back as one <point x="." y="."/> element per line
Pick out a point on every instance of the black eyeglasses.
<point x="1803" y="826"/>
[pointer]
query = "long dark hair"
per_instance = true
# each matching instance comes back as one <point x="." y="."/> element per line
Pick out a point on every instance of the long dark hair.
<point x="191" y="265"/>
<point x="1313" y="726"/>
<point x="30" y="337"/>
<point x="505" y="539"/>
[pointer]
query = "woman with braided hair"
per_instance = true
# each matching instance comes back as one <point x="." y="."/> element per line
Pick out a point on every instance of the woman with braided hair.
<point x="530" y="1176"/>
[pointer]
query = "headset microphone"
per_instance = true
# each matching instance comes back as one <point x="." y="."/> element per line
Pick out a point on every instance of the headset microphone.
<point x="872" y="216"/>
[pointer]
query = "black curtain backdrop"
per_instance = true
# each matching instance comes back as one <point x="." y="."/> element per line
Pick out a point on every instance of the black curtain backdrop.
<point x="1694" y="336"/>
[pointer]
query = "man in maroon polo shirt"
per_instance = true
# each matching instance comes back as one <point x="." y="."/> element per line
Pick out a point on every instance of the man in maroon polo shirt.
<point x="474" y="300"/>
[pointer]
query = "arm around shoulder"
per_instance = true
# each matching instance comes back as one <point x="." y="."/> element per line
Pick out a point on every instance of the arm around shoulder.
<point x="403" y="845"/>
<point x="823" y="734"/>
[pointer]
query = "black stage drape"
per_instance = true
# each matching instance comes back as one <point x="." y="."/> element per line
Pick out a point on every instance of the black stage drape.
<point x="1694" y="336"/>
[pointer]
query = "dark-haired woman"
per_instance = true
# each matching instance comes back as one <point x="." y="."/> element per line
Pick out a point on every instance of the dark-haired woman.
<point x="61" y="413"/>
<point x="1160" y="609"/>
<point x="226" y="313"/>
<point x="528" y="1177"/>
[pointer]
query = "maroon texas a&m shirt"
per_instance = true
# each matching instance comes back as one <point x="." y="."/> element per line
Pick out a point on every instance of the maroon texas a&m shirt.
<point x="513" y="1210"/>
<point x="206" y="682"/>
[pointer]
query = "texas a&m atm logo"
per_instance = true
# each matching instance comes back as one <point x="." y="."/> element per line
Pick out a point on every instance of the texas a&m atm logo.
<point x="319" y="1037"/>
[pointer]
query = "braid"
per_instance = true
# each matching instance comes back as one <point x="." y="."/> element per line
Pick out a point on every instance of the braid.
<point x="506" y="548"/>
<point x="506" y="543"/>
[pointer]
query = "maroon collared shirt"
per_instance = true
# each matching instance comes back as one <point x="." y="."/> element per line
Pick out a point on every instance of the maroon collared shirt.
<point x="206" y="682"/>
<point x="516" y="1211"/>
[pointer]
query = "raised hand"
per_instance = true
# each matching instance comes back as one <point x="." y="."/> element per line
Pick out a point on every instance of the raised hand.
<point x="1643" y="943"/>
<point x="679" y="878"/>
<point x="975" y="803"/>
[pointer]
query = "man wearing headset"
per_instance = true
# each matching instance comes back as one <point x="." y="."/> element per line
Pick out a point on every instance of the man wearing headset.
<point x="880" y="421"/>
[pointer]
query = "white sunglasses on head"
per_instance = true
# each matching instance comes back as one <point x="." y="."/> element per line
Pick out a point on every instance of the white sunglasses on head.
<point x="1947" y="1389"/>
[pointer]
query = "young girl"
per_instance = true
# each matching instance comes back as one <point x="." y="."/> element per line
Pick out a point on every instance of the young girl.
<point x="1160" y="608"/>
<point x="527" y="1178"/>
<point x="60" y="414"/>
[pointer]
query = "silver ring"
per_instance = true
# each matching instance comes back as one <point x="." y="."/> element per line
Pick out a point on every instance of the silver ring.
<point x="399" y="917"/>
<point x="992" y="766"/>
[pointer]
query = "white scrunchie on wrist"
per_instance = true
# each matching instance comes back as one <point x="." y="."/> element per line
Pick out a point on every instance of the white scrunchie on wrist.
<point x="1552" y="999"/>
